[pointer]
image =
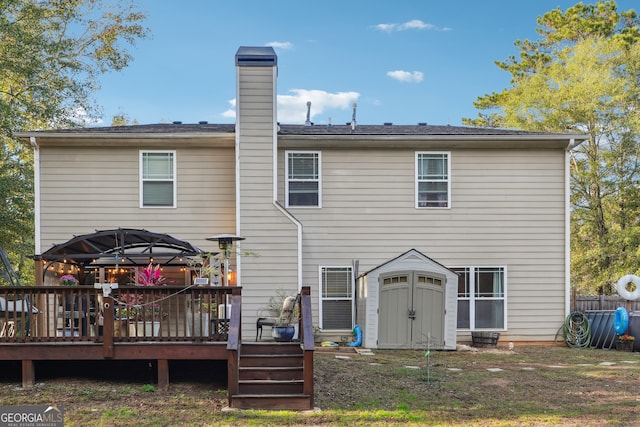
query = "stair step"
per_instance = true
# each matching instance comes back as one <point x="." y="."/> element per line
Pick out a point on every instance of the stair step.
<point x="270" y="387"/>
<point x="271" y="348"/>
<point x="270" y="373"/>
<point x="291" y="402"/>
<point x="271" y="360"/>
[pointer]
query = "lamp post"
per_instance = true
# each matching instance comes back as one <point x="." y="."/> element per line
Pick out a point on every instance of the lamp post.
<point x="225" y="243"/>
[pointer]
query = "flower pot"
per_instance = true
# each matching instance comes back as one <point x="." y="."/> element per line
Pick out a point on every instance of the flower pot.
<point x="144" y="329"/>
<point x="283" y="333"/>
<point x="624" y="345"/>
<point x="198" y="324"/>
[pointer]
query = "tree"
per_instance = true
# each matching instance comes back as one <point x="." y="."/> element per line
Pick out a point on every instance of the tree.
<point x="51" y="55"/>
<point x="122" y="119"/>
<point x="582" y="75"/>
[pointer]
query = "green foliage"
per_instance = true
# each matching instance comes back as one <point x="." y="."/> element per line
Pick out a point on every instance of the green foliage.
<point x="51" y="55"/>
<point x="583" y="75"/>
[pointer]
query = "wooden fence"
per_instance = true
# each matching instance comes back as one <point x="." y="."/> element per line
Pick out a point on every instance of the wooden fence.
<point x="604" y="302"/>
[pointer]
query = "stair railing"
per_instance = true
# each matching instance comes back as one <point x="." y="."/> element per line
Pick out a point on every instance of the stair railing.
<point x="308" y="344"/>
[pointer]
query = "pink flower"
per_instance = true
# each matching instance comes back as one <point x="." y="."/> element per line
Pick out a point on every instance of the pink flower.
<point x="150" y="276"/>
<point x="68" y="280"/>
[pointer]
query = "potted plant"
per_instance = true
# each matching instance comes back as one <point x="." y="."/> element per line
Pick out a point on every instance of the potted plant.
<point x="143" y="315"/>
<point x="282" y="313"/>
<point x="68" y="280"/>
<point x="73" y="311"/>
<point x="151" y="276"/>
<point x="70" y="299"/>
<point x="204" y="270"/>
<point x="625" y="342"/>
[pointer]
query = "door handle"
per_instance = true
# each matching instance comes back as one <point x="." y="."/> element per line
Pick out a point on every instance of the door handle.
<point x="412" y="313"/>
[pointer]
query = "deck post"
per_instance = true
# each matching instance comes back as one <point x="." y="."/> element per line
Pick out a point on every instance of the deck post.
<point x="163" y="374"/>
<point x="308" y="344"/>
<point x="233" y="344"/>
<point x="28" y="374"/>
<point x="107" y="327"/>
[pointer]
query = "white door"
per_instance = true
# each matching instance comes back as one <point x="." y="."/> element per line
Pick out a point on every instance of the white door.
<point x="411" y="311"/>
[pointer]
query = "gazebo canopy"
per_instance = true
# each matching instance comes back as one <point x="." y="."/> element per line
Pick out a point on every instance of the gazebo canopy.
<point x="122" y="246"/>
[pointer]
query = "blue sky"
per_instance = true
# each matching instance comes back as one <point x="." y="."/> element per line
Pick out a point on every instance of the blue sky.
<point x="402" y="61"/>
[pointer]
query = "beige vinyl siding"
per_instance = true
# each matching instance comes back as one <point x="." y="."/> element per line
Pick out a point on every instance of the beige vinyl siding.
<point x="271" y="237"/>
<point x="101" y="191"/>
<point x="507" y="209"/>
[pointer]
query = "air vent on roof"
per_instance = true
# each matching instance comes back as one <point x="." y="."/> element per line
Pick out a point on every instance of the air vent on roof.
<point x="388" y="123"/>
<point x="353" y="117"/>
<point x="308" y="121"/>
<point x="177" y="123"/>
<point x="422" y="123"/>
<point x="203" y="122"/>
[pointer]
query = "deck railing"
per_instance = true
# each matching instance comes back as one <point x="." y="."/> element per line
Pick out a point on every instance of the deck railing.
<point x="133" y="313"/>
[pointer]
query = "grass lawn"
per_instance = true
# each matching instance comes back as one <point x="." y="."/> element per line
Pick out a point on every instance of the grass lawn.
<point x="529" y="386"/>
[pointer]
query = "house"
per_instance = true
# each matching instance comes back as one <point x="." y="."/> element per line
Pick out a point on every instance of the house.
<point x="480" y="217"/>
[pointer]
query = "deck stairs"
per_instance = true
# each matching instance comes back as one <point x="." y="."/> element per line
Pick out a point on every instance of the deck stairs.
<point x="271" y="376"/>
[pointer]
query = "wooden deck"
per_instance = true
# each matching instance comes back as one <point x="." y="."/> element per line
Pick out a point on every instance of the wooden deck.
<point x="146" y="323"/>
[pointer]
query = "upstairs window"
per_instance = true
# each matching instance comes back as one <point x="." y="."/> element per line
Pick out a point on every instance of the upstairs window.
<point x="157" y="179"/>
<point x="433" y="184"/>
<point x="303" y="178"/>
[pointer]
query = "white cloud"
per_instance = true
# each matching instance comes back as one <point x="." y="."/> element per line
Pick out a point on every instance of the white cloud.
<point x="280" y="45"/>
<point x="81" y="118"/>
<point x="406" y="76"/>
<point x="293" y="108"/>
<point x="386" y="27"/>
<point x="414" y="24"/>
<point x="231" y="112"/>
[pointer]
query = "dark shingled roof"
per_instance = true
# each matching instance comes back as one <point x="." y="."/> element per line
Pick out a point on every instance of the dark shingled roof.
<point x="287" y="129"/>
<point x="396" y="130"/>
<point x="159" y="128"/>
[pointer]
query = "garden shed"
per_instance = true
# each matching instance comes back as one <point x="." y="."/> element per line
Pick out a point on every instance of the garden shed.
<point x="409" y="302"/>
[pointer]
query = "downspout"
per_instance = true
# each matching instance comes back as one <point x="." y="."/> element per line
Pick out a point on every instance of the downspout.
<point x="36" y="190"/>
<point x="567" y="224"/>
<point x="277" y="205"/>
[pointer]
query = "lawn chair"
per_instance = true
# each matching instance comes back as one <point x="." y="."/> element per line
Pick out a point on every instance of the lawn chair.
<point x="286" y="315"/>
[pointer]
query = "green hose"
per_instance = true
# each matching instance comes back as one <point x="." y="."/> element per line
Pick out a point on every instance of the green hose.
<point x="577" y="330"/>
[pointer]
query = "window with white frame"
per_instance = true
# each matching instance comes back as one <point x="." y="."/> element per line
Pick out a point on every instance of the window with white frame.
<point x="481" y="297"/>
<point x="157" y="179"/>
<point x="303" y="178"/>
<point x="336" y="287"/>
<point x="433" y="183"/>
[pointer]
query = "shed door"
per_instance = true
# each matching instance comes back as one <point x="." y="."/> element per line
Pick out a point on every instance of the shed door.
<point x="411" y="311"/>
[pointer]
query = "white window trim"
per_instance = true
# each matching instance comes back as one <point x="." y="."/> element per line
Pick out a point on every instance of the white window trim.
<point x="417" y="202"/>
<point x="472" y="290"/>
<point x="141" y="180"/>
<point x="286" y="178"/>
<point x="321" y="298"/>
